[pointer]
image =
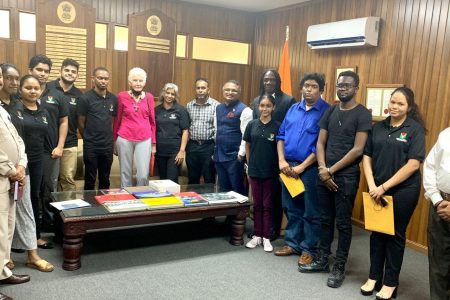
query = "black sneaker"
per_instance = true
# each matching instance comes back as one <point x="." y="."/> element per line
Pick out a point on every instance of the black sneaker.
<point x="337" y="276"/>
<point x="319" y="264"/>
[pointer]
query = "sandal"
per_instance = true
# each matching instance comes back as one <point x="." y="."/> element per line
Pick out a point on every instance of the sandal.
<point x="10" y="264"/>
<point x="41" y="265"/>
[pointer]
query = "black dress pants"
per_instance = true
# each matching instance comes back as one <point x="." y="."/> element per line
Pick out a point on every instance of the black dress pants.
<point x="439" y="256"/>
<point x="199" y="161"/>
<point x="167" y="168"/>
<point x="97" y="161"/>
<point x="386" y="251"/>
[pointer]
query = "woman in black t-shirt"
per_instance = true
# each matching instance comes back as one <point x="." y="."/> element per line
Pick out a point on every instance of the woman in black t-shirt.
<point x="172" y="125"/>
<point x="392" y="157"/>
<point x="35" y="126"/>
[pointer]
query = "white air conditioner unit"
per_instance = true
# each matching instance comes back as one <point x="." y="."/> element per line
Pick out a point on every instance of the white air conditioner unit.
<point x="349" y="33"/>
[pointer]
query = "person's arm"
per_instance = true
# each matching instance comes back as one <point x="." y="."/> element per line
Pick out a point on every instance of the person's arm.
<point x="368" y="172"/>
<point x="247" y="151"/>
<point x="305" y="164"/>
<point x="246" y="116"/>
<point x="152" y="121"/>
<point x="182" y="153"/>
<point x="63" y="128"/>
<point x="81" y="124"/>
<point x="324" y="174"/>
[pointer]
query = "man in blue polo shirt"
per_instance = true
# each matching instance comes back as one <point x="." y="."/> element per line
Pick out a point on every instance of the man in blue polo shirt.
<point x="296" y="145"/>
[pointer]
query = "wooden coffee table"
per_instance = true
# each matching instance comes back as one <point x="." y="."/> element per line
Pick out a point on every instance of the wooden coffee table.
<point x="75" y="223"/>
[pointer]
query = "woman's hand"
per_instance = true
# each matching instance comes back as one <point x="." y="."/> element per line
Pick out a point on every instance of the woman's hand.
<point x="376" y="193"/>
<point x="153" y="149"/>
<point x="180" y="157"/>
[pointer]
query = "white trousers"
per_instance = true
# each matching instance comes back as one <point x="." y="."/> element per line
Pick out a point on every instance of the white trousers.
<point x="7" y="220"/>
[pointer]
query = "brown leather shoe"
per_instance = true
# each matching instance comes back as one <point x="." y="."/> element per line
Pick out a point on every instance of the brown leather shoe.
<point x="15" y="279"/>
<point x="4" y="297"/>
<point x="284" y="251"/>
<point x="305" y="259"/>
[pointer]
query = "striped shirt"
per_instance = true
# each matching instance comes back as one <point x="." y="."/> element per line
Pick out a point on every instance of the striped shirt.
<point x="202" y="119"/>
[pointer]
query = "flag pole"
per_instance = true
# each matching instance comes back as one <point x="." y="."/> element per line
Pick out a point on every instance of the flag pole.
<point x="287" y="33"/>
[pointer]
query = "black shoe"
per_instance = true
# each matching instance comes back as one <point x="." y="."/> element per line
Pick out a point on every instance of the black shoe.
<point x="337" y="276"/>
<point x="319" y="264"/>
<point x="47" y="245"/>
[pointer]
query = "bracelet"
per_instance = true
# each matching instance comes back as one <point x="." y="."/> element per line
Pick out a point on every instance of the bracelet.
<point x="382" y="186"/>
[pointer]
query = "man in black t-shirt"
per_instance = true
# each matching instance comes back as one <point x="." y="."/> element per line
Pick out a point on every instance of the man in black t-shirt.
<point x="96" y="110"/>
<point x="65" y="85"/>
<point x="52" y="101"/>
<point x="343" y="133"/>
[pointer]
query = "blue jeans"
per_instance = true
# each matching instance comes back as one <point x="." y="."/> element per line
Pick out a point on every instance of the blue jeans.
<point x="337" y="207"/>
<point x="303" y="228"/>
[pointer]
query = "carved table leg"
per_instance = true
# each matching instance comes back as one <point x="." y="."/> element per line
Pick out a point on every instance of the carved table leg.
<point x="72" y="245"/>
<point x="238" y="227"/>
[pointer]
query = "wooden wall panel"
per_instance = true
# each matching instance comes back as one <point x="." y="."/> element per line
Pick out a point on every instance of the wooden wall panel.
<point x="413" y="49"/>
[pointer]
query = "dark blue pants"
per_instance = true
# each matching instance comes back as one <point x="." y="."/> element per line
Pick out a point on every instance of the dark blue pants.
<point x="337" y="207"/>
<point x="97" y="161"/>
<point x="231" y="176"/>
<point x="199" y="162"/>
<point x="302" y="231"/>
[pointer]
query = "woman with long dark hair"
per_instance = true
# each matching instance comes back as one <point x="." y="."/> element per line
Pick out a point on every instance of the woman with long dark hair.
<point x="392" y="157"/>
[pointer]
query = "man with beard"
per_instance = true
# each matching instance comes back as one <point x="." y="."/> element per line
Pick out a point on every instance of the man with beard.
<point x="52" y="101"/>
<point x="65" y="84"/>
<point x="270" y="83"/>
<point x="297" y="139"/>
<point x="96" y="109"/>
<point x="200" y="147"/>
<point x="343" y="133"/>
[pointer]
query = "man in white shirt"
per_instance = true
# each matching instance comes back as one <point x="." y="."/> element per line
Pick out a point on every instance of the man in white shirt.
<point x="436" y="181"/>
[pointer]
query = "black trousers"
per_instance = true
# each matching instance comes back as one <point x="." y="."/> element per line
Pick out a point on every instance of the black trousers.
<point x="386" y="251"/>
<point x="35" y="170"/>
<point x="97" y="161"/>
<point x="439" y="256"/>
<point x="337" y="207"/>
<point x="277" y="210"/>
<point x="199" y="161"/>
<point x="167" y="168"/>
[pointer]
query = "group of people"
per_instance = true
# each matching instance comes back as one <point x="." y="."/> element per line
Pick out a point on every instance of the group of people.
<point x="322" y="145"/>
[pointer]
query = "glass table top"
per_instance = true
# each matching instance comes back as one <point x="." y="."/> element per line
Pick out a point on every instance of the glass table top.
<point x="96" y="209"/>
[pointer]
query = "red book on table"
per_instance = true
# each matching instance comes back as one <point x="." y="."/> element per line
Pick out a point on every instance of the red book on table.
<point x="113" y="197"/>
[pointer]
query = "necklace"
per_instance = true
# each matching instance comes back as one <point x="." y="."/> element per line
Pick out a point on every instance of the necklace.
<point x="136" y="100"/>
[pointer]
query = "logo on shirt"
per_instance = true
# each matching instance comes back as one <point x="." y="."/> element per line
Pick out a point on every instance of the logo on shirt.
<point x="173" y="116"/>
<point x="271" y="137"/>
<point x="111" y="108"/>
<point x="50" y="100"/>
<point x="19" y="115"/>
<point x="73" y="101"/>
<point x="44" y="120"/>
<point x="403" y="137"/>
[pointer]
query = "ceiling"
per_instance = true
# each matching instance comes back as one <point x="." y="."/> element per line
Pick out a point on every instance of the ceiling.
<point x="248" y="5"/>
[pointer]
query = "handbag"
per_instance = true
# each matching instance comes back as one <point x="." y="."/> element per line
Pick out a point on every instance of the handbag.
<point x="377" y="217"/>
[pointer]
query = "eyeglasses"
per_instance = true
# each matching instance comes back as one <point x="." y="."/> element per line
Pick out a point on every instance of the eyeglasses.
<point x="344" y="86"/>
<point x="233" y="91"/>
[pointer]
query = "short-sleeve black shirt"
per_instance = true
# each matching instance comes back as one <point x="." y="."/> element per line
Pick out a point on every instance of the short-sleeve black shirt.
<point x="342" y="126"/>
<point x="263" y="148"/>
<point x="99" y="112"/>
<point x="35" y="123"/>
<point x="53" y="102"/>
<point x="170" y="124"/>
<point x="71" y="98"/>
<point x="14" y="109"/>
<point x="392" y="147"/>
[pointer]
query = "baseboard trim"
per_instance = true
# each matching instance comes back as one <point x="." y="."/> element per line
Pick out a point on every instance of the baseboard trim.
<point x="411" y="244"/>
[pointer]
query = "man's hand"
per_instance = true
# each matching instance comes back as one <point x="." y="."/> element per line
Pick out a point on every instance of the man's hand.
<point x="57" y="152"/>
<point x="298" y="169"/>
<point x="443" y="210"/>
<point x="241" y="158"/>
<point x="327" y="179"/>
<point x="19" y="175"/>
<point x="286" y="169"/>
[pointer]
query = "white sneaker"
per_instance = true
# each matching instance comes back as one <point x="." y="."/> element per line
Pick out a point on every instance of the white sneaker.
<point x="255" y="241"/>
<point x="267" y="245"/>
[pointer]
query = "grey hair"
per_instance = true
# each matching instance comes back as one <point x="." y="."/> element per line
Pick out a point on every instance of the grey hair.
<point x="169" y="86"/>
<point x="137" y="72"/>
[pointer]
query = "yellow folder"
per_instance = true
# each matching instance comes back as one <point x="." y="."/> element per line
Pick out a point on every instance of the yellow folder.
<point x="379" y="218"/>
<point x="295" y="186"/>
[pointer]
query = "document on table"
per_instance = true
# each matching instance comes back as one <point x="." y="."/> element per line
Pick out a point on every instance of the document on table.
<point x="295" y="186"/>
<point x="70" y="204"/>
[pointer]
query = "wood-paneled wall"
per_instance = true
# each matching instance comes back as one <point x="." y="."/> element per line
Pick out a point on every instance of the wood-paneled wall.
<point x="191" y="19"/>
<point x="413" y="49"/>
